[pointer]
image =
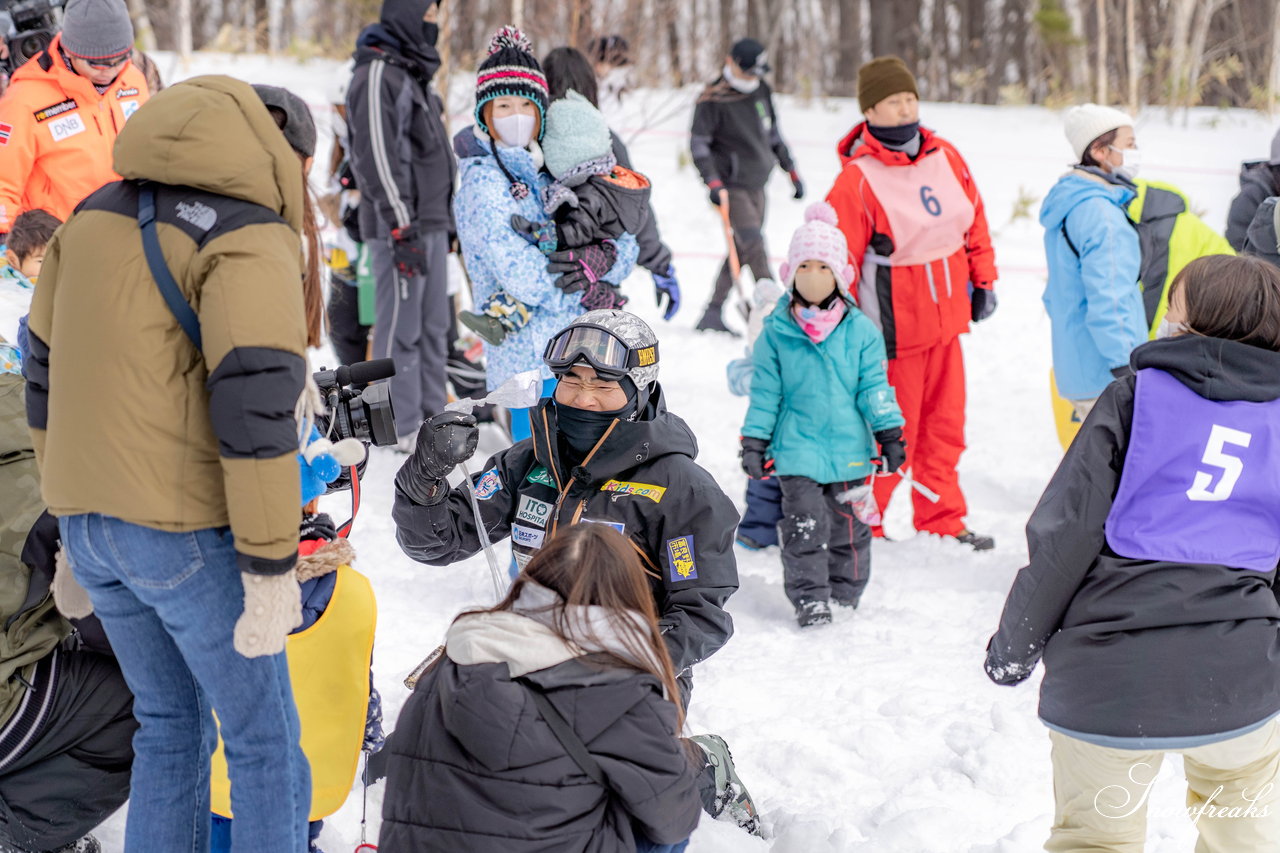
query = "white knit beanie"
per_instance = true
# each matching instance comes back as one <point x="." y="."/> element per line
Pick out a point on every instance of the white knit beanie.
<point x="1087" y="122"/>
<point x="819" y="239"/>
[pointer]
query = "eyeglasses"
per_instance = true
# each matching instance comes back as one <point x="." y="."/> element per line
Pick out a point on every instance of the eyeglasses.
<point x="600" y="348"/>
<point x="104" y="64"/>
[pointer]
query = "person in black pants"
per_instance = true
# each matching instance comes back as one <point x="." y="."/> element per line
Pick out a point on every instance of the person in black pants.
<point x="735" y="144"/>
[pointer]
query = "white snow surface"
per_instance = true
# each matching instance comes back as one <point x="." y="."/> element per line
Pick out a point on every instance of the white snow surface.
<point x="880" y="732"/>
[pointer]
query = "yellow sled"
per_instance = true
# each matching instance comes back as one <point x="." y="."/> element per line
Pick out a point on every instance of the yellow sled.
<point x="1064" y="415"/>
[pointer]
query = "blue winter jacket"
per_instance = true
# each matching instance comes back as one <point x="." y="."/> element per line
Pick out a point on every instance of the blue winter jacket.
<point x="497" y="258"/>
<point x="1092" y="296"/>
<point x="818" y="405"/>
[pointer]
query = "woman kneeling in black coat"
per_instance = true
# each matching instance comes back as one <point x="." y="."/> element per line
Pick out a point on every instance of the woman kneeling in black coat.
<point x="480" y="761"/>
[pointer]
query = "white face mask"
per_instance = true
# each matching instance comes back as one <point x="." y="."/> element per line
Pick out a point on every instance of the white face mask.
<point x="1169" y="330"/>
<point x="515" y="131"/>
<point x="744" y="86"/>
<point x="1130" y="164"/>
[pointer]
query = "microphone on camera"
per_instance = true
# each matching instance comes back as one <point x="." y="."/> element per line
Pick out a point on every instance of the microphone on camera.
<point x="364" y="372"/>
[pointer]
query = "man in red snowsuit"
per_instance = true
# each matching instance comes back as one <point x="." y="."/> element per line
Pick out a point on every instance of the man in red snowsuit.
<point x="917" y="234"/>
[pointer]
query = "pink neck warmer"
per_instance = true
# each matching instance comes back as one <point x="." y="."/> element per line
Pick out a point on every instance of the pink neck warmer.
<point x="817" y="322"/>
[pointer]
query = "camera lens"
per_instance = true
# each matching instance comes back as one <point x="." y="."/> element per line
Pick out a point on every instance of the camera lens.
<point x="372" y="417"/>
<point x="29" y="46"/>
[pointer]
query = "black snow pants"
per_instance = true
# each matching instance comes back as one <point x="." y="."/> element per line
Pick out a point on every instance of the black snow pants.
<point x="826" y="551"/>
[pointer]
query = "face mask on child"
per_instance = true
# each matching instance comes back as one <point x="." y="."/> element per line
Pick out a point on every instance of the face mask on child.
<point x="1170" y="330"/>
<point x="515" y="131"/>
<point x="816" y="285"/>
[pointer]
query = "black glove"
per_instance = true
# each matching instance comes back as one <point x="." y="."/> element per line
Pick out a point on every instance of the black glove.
<point x="753" y="458"/>
<point x="602" y="294"/>
<point x="982" y="304"/>
<point x="1124" y="371"/>
<point x="715" y="192"/>
<point x="444" y="440"/>
<point x="796" y="184"/>
<point x="893" y="450"/>
<point x="407" y="251"/>
<point x="582" y="266"/>
<point x="1006" y="674"/>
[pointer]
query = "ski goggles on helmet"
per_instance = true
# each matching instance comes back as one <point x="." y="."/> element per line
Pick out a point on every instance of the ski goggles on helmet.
<point x="600" y="349"/>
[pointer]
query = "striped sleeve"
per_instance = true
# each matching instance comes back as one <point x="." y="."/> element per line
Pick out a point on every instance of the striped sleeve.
<point x="376" y="125"/>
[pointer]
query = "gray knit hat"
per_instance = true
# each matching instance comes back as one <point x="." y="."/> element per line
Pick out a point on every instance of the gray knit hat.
<point x="96" y="29"/>
<point x="299" y="127"/>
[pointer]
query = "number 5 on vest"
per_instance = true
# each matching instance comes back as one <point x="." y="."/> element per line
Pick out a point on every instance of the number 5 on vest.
<point x="1215" y="455"/>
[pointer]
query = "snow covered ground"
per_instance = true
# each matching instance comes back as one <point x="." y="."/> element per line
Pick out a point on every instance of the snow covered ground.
<point x="880" y="732"/>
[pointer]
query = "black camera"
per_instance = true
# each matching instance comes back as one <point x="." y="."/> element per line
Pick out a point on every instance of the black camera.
<point x="33" y="24"/>
<point x="365" y="414"/>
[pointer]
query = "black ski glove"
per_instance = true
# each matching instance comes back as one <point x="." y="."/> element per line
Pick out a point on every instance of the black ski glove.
<point x="982" y="304"/>
<point x="1007" y="674"/>
<point x="796" y="184"/>
<point x="582" y="266"/>
<point x="407" y="251"/>
<point x="753" y="458"/>
<point x="893" y="450"/>
<point x="716" y="193"/>
<point x="444" y="440"/>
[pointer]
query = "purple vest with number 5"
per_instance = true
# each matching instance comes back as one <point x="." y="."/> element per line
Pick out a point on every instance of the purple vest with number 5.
<point x="1201" y="479"/>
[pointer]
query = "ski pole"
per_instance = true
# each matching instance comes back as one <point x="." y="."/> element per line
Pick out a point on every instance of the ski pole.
<point x="483" y="533"/>
<point x="364" y="810"/>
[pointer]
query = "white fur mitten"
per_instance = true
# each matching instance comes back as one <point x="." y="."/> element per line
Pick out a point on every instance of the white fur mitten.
<point x="272" y="608"/>
<point x="69" y="597"/>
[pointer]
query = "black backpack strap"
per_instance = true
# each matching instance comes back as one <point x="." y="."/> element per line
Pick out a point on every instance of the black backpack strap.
<point x="1067" y="237"/>
<point x="168" y="287"/>
<point x="566" y="735"/>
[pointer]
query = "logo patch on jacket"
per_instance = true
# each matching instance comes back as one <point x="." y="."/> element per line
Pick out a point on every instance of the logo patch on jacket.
<point x="527" y="536"/>
<point x="6" y="130"/>
<point x="128" y="108"/>
<point x="200" y="215"/>
<point x="66" y="127"/>
<point x="127" y="93"/>
<point x="534" y="511"/>
<point x="680" y="556"/>
<point x="619" y="526"/>
<point x="644" y="490"/>
<point x="541" y="476"/>
<point x="488" y="485"/>
<point x="54" y="110"/>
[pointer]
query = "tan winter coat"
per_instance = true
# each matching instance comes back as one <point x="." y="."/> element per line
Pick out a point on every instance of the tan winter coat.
<point x="129" y="419"/>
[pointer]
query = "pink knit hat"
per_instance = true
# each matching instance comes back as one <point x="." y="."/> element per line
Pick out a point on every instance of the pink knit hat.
<point x="819" y="240"/>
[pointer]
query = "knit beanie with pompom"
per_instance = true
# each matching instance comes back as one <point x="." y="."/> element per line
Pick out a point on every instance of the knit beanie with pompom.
<point x="511" y="69"/>
<point x="819" y="240"/>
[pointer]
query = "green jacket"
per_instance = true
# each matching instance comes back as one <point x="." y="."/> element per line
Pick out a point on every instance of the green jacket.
<point x="1171" y="236"/>
<point x="28" y="630"/>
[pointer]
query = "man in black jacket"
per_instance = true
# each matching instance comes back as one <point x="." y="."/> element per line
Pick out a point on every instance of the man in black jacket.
<point x="604" y="450"/>
<point x="735" y="143"/>
<point x="405" y="169"/>
<point x="1259" y="180"/>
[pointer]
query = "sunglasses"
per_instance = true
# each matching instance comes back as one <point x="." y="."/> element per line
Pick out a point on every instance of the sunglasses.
<point x="104" y="64"/>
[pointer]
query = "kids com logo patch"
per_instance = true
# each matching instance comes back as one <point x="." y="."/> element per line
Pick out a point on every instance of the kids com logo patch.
<point x="644" y="490"/>
<point x="680" y="557"/>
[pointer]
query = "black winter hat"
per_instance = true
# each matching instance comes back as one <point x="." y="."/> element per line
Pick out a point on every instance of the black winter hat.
<point x="299" y="128"/>
<point x="751" y="56"/>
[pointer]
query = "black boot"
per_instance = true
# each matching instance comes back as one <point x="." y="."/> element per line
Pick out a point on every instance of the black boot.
<point x="712" y="322"/>
<point x="976" y="541"/>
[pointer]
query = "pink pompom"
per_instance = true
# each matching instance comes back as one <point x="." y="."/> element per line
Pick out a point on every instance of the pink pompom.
<point x="511" y="37"/>
<point x="821" y="212"/>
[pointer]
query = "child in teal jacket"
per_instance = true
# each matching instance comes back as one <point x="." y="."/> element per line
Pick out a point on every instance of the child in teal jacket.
<point x="820" y="405"/>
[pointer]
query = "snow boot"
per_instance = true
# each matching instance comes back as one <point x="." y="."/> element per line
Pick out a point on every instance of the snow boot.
<point x="88" y="844"/>
<point x="976" y="541"/>
<point x="712" y="321"/>
<point x="812" y="611"/>
<point x="750" y="544"/>
<point x="728" y="795"/>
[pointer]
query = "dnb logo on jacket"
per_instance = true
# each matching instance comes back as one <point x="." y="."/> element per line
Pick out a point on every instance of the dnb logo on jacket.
<point x="541" y="476"/>
<point x="644" y="490"/>
<point x="488" y="484"/>
<point x="64" y="123"/>
<point x="680" y="558"/>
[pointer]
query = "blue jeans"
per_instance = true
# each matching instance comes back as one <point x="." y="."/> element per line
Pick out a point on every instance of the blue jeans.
<point x="169" y="603"/>
<point x="520" y="417"/>
<point x="644" y="845"/>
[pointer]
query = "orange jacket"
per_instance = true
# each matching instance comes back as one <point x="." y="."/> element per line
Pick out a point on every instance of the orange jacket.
<point x="917" y="234"/>
<point x="57" y="134"/>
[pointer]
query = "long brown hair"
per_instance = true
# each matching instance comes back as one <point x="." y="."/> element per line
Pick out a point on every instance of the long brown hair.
<point x="592" y="564"/>
<point x="1235" y="297"/>
<point x="312" y="282"/>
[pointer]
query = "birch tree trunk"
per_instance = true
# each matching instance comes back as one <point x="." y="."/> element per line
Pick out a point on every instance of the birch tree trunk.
<point x="143" y="31"/>
<point x="183" y="26"/>
<point x="1131" y="51"/>
<point x="1100" y="70"/>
